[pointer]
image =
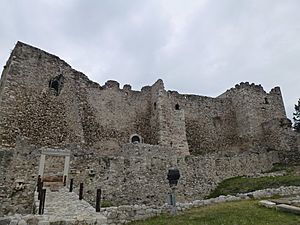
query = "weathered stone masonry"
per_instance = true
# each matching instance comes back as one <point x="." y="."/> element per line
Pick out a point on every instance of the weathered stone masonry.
<point x="140" y="178"/>
<point x="44" y="103"/>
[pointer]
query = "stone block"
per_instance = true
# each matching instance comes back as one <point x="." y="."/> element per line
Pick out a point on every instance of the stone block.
<point x="288" y="208"/>
<point x="267" y="204"/>
<point x="282" y="201"/>
<point x="198" y="202"/>
<point x="14" y="222"/>
<point x="5" y="221"/>
<point x="22" y="222"/>
<point x="43" y="222"/>
<point x="101" y="220"/>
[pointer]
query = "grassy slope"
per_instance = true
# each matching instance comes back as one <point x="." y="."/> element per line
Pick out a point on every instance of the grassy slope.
<point x="237" y="213"/>
<point x="229" y="213"/>
<point x="243" y="184"/>
<point x="236" y="185"/>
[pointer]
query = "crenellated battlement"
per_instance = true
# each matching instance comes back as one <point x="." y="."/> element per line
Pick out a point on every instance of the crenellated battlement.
<point x="244" y="86"/>
<point x="112" y="84"/>
<point x="275" y="90"/>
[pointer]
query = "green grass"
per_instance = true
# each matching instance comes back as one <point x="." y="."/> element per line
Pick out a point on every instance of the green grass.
<point x="106" y="203"/>
<point x="283" y="167"/>
<point x="236" y="185"/>
<point x="229" y="213"/>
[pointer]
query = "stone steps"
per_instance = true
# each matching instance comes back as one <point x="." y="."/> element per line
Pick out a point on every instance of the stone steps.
<point x="62" y="206"/>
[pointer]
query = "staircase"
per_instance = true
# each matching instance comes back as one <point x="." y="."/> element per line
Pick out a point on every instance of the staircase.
<point x="64" y="207"/>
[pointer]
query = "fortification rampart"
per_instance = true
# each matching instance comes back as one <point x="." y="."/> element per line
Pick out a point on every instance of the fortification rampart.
<point x="51" y="104"/>
<point x="142" y="179"/>
<point x="254" y="106"/>
<point x="124" y="140"/>
<point x="138" y="176"/>
<point x="210" y="123"/>
<point x="46" y="101"/>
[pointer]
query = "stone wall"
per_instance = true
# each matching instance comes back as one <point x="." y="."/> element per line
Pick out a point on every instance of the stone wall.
<point x="18" y="172"/>
<point x="128" y="213"/>
<point x="138" y="176"/>
<point x="171" y="121"/>
<point x="30" y="108"/>
<point x="210" y="122"/>
<point x="253" y="106"/>
<point x="47" y="102"/>
<point x="279" y="136"/>
<point x="111" y="115"/>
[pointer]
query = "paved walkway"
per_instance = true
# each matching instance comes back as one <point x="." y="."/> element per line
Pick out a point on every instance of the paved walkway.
<point x="63" y="205"/>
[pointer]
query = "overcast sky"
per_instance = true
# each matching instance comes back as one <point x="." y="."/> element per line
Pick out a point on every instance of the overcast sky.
<point x="196" y="46"/>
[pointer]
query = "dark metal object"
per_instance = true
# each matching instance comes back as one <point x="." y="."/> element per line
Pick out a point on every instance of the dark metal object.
<point x="98" y="200"/>
<point x="71" y="185"/>
<point x="65" y="180"/>
<point x="81" y="191"/>
<point x="173" y="177"/>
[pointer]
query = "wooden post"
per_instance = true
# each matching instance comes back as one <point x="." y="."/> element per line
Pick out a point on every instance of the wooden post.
<point x="65" y="180"/>
<point x="44" y="199"/>
<point x="98" y="200"/>
<point x="173" y="202"/>
<point x="71" y="185"/>
<point x="38" y="182"/>
<point x="81" y="191"/>
<point x="40" y="190"/>
<point x="40" y="204"/>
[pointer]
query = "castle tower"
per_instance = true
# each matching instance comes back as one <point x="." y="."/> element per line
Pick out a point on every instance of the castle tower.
<point x="253" y="107"/>
<point x="170" y="119"/>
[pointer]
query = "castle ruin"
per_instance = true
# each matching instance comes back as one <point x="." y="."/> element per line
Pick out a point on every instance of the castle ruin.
<point x="125" y="140"/>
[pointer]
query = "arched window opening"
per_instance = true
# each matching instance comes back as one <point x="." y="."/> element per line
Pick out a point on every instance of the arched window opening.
<point x="135" y="139"/>
<point x="56" y="84"/>
<point x="154" y="105"/>
<point x="177" y="107"/>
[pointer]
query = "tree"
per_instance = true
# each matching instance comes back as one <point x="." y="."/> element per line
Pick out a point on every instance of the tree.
<point x="296" y="117"/>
